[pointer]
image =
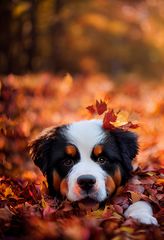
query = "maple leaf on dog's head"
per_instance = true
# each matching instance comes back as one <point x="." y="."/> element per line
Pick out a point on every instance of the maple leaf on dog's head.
<point x="101" y="107"/>
<point x="129" y="125"/>
<point x="91" y="109"/>
<point x="109" y="118"/>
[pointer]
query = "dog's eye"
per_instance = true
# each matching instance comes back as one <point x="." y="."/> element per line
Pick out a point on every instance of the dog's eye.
<point x="101" y="160"/>
<point x="68" y="162"/>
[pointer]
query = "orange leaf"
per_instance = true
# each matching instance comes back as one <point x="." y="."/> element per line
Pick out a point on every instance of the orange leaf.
<point x="135" y="196"/>
<point x="8" y="192"/>
<point x="160" y="181"/>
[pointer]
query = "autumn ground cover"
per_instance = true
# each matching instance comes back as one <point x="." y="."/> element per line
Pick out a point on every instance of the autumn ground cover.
<point x="32" y="102"/>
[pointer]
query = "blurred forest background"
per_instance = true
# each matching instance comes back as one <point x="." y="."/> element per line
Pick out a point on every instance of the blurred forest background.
<point x="82" y="36"/>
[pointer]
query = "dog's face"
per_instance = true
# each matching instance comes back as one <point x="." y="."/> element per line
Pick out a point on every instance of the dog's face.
<point x="84" y="161"/>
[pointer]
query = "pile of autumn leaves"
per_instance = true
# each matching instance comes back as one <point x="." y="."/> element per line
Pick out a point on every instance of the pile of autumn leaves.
<point x="26" y="210"/>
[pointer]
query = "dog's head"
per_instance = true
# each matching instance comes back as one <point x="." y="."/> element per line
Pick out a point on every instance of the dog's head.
<point x="84" y="161"/>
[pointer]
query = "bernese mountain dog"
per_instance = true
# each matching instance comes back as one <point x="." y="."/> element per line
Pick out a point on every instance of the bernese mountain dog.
<point x="86" y="164"/>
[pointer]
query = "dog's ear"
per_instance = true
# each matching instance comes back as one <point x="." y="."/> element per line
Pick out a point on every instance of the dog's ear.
<point x="127" y="143"/>
<point x="40" y="148"/>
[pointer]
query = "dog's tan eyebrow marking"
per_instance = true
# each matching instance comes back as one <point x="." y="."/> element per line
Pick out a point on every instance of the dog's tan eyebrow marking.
<point x="98" y="149"/>
<point x="71" y="150"/>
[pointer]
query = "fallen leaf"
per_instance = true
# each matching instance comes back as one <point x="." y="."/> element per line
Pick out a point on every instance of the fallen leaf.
<point x="127" y="229"/>
<point x="101" y="107"/>
<point x="135" y="196"/>
<point x="109" y="118"/>
<point x="91" y="109"/>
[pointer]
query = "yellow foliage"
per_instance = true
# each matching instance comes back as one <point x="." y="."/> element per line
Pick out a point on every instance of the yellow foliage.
<point x="20" y="8"/>
<point x="135" y="196"/>
<point x="8" y="191"/>
<point x="122" y="118"/>
<point x="103" y="23"/>
<point x="127" y="229"/>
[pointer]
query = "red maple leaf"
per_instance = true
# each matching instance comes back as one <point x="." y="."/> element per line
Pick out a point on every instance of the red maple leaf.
<point x="129" y="125"/>
<point x="108" y="118"/>
<point x="101" y="107"/>
<point x="91" y="109"/>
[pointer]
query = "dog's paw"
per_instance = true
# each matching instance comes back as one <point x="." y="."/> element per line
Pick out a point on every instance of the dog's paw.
<point x="144" y="218"/>
<point x="142" y="212"/>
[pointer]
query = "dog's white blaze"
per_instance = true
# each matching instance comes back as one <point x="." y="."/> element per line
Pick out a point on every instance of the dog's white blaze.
<point x="85" y="135"/>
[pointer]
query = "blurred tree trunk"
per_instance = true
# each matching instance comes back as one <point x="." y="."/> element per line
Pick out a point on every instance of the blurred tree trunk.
<point x="5" y="38"/>
<point x="59" y="4"/>
<point x="57" y="35"/>
<point x="32" y="48"/>
<point x="15" y="56"/>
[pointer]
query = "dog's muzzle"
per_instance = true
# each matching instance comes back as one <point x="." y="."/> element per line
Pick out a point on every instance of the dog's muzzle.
<point x="86" y="182"/>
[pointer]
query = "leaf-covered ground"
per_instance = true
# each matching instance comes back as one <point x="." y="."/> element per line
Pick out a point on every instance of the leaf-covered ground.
<point x="33" y="102"/>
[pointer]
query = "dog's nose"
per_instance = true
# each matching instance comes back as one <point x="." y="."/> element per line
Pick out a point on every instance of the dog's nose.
<point x="86" y="182"/>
